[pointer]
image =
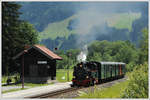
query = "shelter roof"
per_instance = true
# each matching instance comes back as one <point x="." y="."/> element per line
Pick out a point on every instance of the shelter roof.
<point x="42" y="49"/>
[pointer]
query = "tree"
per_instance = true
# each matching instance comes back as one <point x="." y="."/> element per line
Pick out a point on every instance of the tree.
<point x="72" y="54"/>
<point x="69" y="58"/>
<point x="126" y="53"/>
<point x="10" y="25"/>
<point x="27" y="34"/>
<point x="15" y="35"/>
<point x="143" y="54"/>
<point x="64" y="63"/>
<point x="138" y="83"/>
<point x="119" y="51"/>
<point x="96" y="57"/>
<point x="138" y="78"/>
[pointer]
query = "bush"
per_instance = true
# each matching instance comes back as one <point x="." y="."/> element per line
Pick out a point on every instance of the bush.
<point x="130" y="66"/>
<point x="138" y="83"/>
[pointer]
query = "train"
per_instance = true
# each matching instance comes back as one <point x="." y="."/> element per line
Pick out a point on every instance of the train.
<point x="93" y="72"/>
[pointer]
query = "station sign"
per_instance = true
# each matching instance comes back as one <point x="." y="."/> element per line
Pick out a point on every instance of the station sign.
<point x="41" y="62"/>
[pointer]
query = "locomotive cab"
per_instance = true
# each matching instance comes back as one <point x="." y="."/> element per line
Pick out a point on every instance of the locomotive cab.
<point x="85" y="74"/>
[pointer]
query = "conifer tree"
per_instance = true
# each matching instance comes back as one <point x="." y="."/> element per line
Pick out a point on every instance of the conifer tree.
<point x="15" y="35"/>
<point x="10" y="22"/>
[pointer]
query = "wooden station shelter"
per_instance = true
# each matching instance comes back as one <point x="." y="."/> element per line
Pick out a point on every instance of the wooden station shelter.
<point x="38" y="63"/>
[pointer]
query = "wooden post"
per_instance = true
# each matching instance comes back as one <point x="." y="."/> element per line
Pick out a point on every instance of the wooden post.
<point x="68" y="74"/>
<point x="25" y="51"/>
<point x="68" y="69"/>
<point x="69" y="55"/>
<point x="23" y="71"/>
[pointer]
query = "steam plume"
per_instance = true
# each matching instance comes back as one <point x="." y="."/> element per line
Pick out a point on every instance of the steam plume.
<point x="83" y="54"/>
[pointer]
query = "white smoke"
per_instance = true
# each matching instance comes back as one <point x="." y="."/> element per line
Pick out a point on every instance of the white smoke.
<point x="83" y="54"/>
<point x="92" y="22"/>
<point x="89" y="19"/>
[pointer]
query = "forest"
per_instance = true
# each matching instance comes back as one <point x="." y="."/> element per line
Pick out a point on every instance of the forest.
<point x="17" y="33"/>
<point x="61" y="27"/>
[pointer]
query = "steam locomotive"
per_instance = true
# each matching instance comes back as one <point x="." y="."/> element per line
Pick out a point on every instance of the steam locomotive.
<point x="90" y="73"/>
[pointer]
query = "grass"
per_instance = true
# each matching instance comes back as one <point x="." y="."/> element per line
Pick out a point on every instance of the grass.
<point x="123" y="21"/>
<point x="118" y="21"/>
<point x="56" y="29"/>
<point x="114" y="91"/>
<point x="61" y="75"/>
<point x="4" y="78"/>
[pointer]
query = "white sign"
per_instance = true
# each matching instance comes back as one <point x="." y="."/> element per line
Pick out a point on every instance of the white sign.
<point x="42" y="62"/>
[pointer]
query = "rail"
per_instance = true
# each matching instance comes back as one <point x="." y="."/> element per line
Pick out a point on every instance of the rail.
<point x="58" y="92"/>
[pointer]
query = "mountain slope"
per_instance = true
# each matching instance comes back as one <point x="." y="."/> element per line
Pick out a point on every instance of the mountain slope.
<point x="60" y="29"/>
<point x="42" y="13"/>
<point x="67" y="25"/>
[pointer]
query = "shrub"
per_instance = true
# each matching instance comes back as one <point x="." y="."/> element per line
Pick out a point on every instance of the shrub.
<point x="138" y="83"/>
<point x="130" y="66"/>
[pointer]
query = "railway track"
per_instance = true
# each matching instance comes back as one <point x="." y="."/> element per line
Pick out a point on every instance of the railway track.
<point x="55" y="93"/>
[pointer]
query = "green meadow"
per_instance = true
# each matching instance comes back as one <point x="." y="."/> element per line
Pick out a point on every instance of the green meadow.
<point x="62" y="75"/>
<point x="114" y="91"/>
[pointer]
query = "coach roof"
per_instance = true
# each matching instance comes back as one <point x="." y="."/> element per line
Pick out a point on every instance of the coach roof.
<point x="109" y="63"/>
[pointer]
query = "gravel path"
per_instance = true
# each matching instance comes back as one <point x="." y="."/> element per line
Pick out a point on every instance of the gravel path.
<point x="74" y="94"/>
<point x="6" y="88"/>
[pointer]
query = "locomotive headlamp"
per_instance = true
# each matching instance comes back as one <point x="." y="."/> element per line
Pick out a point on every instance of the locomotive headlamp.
<point x="87" y="76"/>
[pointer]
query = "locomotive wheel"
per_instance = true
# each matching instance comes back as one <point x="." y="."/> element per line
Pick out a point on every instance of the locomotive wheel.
<point x="92" y="83"/>
<point x="74" y="84"/>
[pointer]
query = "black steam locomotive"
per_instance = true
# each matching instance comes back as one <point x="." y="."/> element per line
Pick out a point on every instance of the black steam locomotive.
<point x="90" y="73"/>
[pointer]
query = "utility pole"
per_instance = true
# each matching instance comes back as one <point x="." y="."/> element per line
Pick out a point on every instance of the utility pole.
<point x="23" y="71"/>
<point x="23" y="68"/>
<point x="69" y="55"/>
<point x="68" y="73"/>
